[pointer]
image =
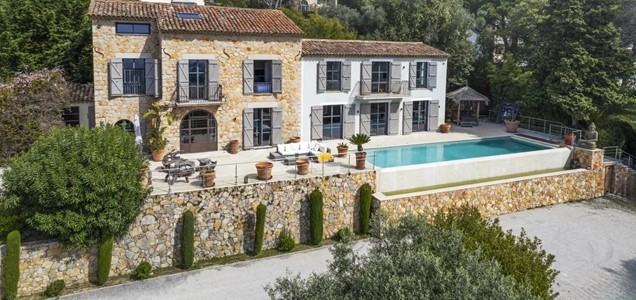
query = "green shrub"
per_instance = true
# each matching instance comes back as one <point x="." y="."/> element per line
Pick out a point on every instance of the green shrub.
<point x="74" y="184"/>
<point x="365" y="208"/>
<point x="9" y="221"/>
<point x="143" y="271"/>
<point x="187" y="240"/>
<point x="103" y="258"/>
<point x="55" y="288"/>
<point x="315" y="217"/>
<point x="286" y="241"/>
<point x="11" y="275"/>
<point x="261" y="212"/>
<point x="345" y="234"/>
<point x="520" y="257"/>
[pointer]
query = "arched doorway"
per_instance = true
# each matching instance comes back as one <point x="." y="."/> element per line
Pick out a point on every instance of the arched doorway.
<point x="198" y="132"/>
<point x="126" y="125"/>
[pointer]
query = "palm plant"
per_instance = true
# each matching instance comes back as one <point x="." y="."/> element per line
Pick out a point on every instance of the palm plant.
<point x="359" y="139"/>
<point x="156" y="113"/>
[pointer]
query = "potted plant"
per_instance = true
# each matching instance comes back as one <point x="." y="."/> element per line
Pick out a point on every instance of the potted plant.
<point x="302" y="166"/>
<point x="233" y="147"/>
<point x="294" y="139"/>
<point x="360" y="139"/>
<point x="343" y="148"/>
<point x="207" y="177"/>
<point x="157" y="142"/>
<point x="511" y="125"/>
<point x="446" y="126"/>
<point x="568" y="138"/>
<point x="264" y="170"/>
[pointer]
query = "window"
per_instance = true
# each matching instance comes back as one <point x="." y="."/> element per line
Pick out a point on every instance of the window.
<point x="379" y="116"/>
<point x="126" y="125"/>
<point x="420" y="80"/>
<point x="304" y="5"/>
<point x="331" y="122"/>
<point x="198" y="77"/>
<point x="333" y="75"/>
<point x="132" y="28"/>
<point x="134" y="76"/>
<point x="420" y="115"/>
<point x="189" y="16"/>
<point x="380" y="77"/>
<point x="262" y="126"/>
<point x="71" y="116"/>
<point x="262" y="76"/>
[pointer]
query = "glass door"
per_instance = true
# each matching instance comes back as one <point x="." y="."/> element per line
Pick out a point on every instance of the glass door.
<point x="331" y="122"/>
<point x="420" y="116"/>
<point x="198" y="132"/>
<point x="379" y="116"/>
<point x="262" y="127"/>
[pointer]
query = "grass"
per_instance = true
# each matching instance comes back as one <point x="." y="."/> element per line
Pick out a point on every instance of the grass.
<point x="455" y="184"/>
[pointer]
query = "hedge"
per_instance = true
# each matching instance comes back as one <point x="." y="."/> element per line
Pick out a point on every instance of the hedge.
<point x="261" y="212"/>
<point x="11" y="275"/>
<point x="187" y="240"/>
<point x="104" y="257"/>
<point x="315" y="217"/>
<point x="365" y="208"/>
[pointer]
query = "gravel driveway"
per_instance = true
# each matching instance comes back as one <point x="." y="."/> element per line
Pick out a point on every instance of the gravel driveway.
<point x="594" y="243"/>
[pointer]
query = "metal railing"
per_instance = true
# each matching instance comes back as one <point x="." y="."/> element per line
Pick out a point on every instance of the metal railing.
<point x="552" y="128"/>
<point x="235" y="174"/>
<point x="383" y="90"/>
<point x="616" y="154"/>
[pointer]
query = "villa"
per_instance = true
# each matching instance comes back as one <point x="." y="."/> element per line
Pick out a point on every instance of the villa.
<point x="248" y="75"/>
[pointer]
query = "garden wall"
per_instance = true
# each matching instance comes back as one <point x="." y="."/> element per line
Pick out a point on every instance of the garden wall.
<point x="224" y="225"/>
<point x="623" y="182"/>
<point x="506" y="196"/>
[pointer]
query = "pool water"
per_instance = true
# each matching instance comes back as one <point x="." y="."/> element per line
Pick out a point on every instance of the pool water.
<point x="446" y="151"/>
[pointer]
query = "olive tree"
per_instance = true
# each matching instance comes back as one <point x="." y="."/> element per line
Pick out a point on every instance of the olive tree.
<point x="77" y="185"/>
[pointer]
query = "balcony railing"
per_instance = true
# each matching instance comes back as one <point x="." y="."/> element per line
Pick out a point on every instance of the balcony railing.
<point x="382" y="90"/>
<point x="214" y="99"/>
<point x="262" y="87"/>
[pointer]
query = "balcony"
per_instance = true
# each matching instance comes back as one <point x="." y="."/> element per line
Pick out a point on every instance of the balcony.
<point x="203" y="100"/>
<point x="382" y="91"/>
<point x="262" y="87"/>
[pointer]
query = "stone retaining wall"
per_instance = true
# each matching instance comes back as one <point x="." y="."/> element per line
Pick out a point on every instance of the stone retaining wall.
<point x="224" y="225"/>
<point x="624" y="182"/>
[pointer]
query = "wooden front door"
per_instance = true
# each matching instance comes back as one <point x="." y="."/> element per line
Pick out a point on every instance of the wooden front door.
<point x="198" y="132"/>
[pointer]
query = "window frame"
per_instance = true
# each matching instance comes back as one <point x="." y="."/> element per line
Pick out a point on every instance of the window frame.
<point x="264" y="65"/>
<point x="328" y="116"/>
<point x="337" y="74"/>
<point x="202" y="69"/>
<point x="421" y="74"/>
<point x="73" y="111"/>
<point x="188" y="16"/>
<point x="376" y="84"/>
<point x="141" y="85"/>
<point x="134" y="25"/>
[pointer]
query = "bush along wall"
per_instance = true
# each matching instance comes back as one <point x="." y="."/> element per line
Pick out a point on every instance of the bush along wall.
<point x="315" y="217"/>
<point x="365" y="207"/>
<point x="187" y="240"/>
<point x="11" y="274"/>
<point x="261" y="212"/>
<point x="104" y="257"/>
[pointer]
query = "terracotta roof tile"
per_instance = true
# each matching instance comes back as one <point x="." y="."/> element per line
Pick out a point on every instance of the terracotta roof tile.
<point x="214" y="19"/>
<point x="81" y="92"/>
<point x="313" y="47"/>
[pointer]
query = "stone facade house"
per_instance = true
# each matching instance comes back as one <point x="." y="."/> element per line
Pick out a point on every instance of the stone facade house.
<point x="231" y="73"/>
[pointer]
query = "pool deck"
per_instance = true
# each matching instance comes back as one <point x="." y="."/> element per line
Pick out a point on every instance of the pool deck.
<point x="239" y="169"/>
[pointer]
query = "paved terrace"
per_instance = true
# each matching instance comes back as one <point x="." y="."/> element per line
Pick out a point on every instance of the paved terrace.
<point x="239" y="169"/>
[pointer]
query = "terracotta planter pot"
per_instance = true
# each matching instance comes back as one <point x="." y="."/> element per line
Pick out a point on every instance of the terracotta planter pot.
<point x="568" y="138"/>
<point x="302" y="166"/>
<point x="145" y="177"/>
<point x="233" y="147"/>
<point x="157" y="155"/>
<point x="294" y="139"/>
<point x="446" y="127"/>
<point x="511" y="126"/>
<point x="361" y="159"/>
<point x="342" y="151"/>
<point x="207" y="178"/>
<point x="264" y="170"/>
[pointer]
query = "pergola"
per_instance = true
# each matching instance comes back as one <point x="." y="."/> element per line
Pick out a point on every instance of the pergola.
<point x="465" y="104"/>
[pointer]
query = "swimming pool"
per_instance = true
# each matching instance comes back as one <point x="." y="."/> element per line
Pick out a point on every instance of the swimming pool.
<point x="447" y="151"/>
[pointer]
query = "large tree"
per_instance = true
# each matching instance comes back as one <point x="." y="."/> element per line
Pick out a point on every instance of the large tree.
<point x="30" y="105"/>
<point x="579" y="60"/>
<point x="407" y="260"/>
<point x="38" y="34"/>
<point x="317" y="26"/>
<point x="77" y="185"/>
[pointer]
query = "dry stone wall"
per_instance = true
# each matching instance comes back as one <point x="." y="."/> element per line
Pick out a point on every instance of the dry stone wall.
<point x="624" y="182"/>
<point x="224" y="225"/>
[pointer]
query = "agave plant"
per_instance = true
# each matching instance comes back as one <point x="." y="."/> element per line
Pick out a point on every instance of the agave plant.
<point x="359" y="139"/>
<point x="156" y="113"/>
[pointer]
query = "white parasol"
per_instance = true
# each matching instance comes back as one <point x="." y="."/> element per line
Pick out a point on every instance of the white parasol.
<point x="137" y="125"/>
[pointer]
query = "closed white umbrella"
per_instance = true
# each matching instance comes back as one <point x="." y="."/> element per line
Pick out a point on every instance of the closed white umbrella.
<point x="137" y="125"/>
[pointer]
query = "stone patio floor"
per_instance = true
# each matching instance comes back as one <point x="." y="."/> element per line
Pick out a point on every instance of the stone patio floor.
<point x="239" y="169"/>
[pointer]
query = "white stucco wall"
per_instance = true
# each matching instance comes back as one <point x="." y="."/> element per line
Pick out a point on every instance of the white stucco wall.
<point x="311" y="97"/>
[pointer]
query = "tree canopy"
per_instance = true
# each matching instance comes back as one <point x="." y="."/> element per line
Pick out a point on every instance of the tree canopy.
<point x="317" y="26"/>
<point x="77" y="185"/>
